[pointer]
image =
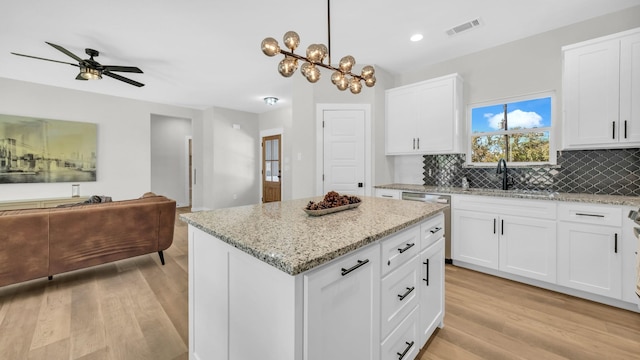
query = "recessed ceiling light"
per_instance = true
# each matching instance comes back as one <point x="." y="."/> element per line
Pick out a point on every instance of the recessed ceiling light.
<point x="270" y="100"/>
<point x="416" y="37"/>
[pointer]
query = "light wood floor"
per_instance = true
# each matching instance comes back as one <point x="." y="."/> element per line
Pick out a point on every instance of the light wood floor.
<point x="137" y="309"/>
<point x="129" y="309"/>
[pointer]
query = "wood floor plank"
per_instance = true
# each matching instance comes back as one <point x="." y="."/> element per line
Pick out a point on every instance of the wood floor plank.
<point x="54" y="317"/>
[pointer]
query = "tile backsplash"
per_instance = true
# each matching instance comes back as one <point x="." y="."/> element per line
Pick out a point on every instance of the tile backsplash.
<point x="611" y="172"/>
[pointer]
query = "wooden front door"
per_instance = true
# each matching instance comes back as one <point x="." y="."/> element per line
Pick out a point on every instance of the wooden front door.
<point x="271" y="179"/>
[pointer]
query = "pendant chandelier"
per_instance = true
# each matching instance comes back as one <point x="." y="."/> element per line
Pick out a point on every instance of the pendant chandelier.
<point x="342" y="76"/>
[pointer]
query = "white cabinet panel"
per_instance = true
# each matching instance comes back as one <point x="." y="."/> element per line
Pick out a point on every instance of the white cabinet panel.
<point x="399" y="294"/>
<point x="528" y="247"/>
<point x="400" y="248"/>
<point x="388" y="193"/>
<point x="341" y="309"/>
<point x="475" y="239"/>
<point x="601" y="88"/>
<point x="431" y="289"/>
<point x="589" y="258"/>
<point x="402" y="343"/>
<point x="425" y="117"/>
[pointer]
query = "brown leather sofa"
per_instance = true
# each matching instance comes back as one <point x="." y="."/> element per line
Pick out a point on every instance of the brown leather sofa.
<point x="38" y="243"/>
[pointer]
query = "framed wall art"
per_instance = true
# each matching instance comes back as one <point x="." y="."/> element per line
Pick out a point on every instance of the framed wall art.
<point x="35" y="150"/>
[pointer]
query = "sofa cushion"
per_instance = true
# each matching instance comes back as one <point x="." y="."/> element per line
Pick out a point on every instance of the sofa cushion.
<point x="24" y="245"/>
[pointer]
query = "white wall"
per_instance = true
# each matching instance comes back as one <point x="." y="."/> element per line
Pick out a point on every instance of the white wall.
<point x="169" y="157"/>
<point x="123" y="155"/>
<point x="234" y="171"/>
<point x="530" y="65"/>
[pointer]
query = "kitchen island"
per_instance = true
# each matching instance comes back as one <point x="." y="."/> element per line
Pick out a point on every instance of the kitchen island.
<point x="269" y="281"/>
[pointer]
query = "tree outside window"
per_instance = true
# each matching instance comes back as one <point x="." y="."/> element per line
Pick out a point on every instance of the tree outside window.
<point x="518" y="130"/>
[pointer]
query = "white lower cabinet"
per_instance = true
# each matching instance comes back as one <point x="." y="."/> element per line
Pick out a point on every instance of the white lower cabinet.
<point x="516" y="236"/>
<point x="590" y="248"/>
<point x="528" y="247"/>
<point x="589" y="259"/>
<point x="342" y="308"/>
<point x="475" y="239"/>
<point x="402" y="343"/>
<point x="388" y="193"/>
<point x="431" y="290"/>
<point x="399" y="294"/>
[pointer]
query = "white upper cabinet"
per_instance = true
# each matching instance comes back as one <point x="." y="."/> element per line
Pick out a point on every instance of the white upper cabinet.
<point x="601" y="92"/>
<point x="425" y="117"/>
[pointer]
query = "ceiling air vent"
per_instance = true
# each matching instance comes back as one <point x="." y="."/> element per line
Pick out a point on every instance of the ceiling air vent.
<point x="464" y="27"/>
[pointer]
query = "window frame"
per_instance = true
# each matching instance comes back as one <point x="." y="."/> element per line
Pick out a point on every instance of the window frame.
<point x="501" y="101"/>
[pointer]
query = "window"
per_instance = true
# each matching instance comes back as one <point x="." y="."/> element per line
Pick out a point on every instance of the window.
<point x="517" y="129"/>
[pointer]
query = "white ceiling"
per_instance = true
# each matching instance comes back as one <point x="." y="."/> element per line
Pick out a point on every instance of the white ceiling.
<point x="204" y="53"/>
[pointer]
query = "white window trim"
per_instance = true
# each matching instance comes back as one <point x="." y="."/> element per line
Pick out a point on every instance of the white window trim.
<point x="553" y="151"/>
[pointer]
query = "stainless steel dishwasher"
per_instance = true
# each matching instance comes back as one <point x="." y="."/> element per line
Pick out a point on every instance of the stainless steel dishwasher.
<point x="439" y="199"/>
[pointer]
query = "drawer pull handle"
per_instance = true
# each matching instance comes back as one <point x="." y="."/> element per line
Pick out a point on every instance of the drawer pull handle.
<point x="354" y="267"/>
<point x="409" y="346"/>
<point x="387" y="196"/>
<point x="592" y="215"/>
<point x="427" y="279"/>
<point x="409" y="290"/>
<point x="409" y="246"/>
<point x="435" y="230"/>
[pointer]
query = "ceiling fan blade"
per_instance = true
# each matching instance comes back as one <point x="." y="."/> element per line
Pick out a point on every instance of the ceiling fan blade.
<point x="39" y="58"/>
<point x="67" y="52"/>
<point x="131" y="69"/>
<point x="122" y="78"/>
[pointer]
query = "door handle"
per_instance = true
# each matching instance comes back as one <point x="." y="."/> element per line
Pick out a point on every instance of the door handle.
<point x="427" y="279"/>
<point x="409" y="290"/>
<point x="409" y="246"/>
<point x="354" y="267"/>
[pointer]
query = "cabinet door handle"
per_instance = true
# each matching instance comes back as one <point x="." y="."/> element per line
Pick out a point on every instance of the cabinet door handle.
<point x="494" y="225"/>
<point x="625" y="129"/>
<point x="354" y="267"/>
<point x="427" y="279"/>
<point x="502" y="227"/>
<point x="409" y="246"/>
<point x="613" y="134"/>
<point x="409" y="290"/>
<point x="418" y="143"/>
<point x="409" y="345"/>
<point x="387" y="196"/>
<point x="615" y="243"/>
<point x="414" y="143"/>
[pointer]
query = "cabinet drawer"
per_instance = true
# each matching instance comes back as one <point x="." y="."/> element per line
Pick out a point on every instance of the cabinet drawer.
<point x="402" y="343"/>
<point x="388" y="193"/>
<point x="590" y="214"/>
<point x="542" y="209"/>
<point x="399" y="248"/>
<point x="432" y="230"/>
<point x="399" y="293"/>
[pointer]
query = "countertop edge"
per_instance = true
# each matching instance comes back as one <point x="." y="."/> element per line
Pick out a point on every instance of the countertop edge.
<point x="515" y="194"/>
<point x="318" y="261"/>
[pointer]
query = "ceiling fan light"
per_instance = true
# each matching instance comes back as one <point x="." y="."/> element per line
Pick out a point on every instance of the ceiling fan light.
<point x="90" y="74"/>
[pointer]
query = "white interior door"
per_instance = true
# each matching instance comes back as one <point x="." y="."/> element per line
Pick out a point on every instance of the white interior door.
<point x="344" y="151"/>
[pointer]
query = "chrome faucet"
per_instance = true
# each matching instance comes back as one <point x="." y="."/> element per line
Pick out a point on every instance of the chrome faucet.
<point x="502" y="169"/>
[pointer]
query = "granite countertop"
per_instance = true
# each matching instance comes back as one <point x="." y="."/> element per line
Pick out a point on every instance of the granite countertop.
<point x="283" y="235"/>
<point x="521" y="194"/>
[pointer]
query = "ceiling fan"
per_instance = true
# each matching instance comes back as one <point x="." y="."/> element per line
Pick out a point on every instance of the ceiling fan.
<point x="91" y="69"/>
